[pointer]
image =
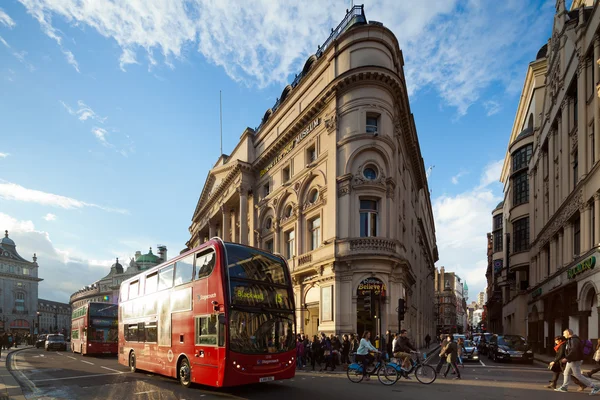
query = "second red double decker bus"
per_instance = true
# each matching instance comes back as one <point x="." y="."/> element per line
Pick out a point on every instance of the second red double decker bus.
<point x="94" y="329"/>
<point x="221" y="314"/>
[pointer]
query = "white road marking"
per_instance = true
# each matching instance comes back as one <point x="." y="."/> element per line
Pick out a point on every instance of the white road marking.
<point x="72" y="358"/>
<point x="482" y="363"/>
<point x="60" y="354"/>
<point x="149" y="391"/>
<point x="87" y="362"/>
<point x="110" y="369"/>
<point x="75" y="377"/>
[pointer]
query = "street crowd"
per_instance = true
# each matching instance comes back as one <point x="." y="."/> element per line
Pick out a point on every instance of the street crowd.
<point x="8" y="340"/>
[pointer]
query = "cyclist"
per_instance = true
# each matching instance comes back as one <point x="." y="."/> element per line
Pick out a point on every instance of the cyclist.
<point x="362" y="354"/>
<point x="402" y="351"/>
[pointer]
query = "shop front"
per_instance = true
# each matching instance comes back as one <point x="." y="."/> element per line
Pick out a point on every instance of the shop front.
<point x="20" y="326"/>
<point x="370" y="305"/>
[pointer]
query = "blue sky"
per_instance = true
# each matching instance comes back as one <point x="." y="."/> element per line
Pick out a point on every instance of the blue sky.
<point x="109" y="113"/>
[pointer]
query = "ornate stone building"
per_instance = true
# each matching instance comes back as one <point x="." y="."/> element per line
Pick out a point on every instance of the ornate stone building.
<point x="333" y="180"/>
<point x="18" y="289"/>
<point x="54" y="317"/>
<point x="107" y="288"/>
<point x="551" y="211"/>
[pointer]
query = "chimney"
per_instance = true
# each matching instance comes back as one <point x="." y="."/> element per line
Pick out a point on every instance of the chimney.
<point x="137" y="254"/>
<point x="162" y="252"/>
<point x="442" y="279"/>
<point x="435" y="281"/>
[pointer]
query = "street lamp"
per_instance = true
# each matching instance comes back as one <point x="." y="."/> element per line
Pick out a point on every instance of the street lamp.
<point x="38" y="323"/>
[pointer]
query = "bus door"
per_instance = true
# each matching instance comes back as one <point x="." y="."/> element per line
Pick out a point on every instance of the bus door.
<point x="206" y="351"/>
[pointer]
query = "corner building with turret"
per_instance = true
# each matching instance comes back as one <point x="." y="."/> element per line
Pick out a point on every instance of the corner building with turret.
<point x="334" y="181"/>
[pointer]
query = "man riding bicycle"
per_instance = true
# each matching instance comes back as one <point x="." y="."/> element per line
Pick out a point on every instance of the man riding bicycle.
<point x="362" y="354"/>
<point x="403" y="349"/>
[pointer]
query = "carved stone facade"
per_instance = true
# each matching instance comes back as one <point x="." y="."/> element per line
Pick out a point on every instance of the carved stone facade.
<point x="551" y="283"/>
<point x="328" y="186"/>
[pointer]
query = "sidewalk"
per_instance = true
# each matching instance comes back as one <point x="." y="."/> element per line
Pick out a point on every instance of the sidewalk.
<point x="341" y="369"/>
<point x="9" y="387"/>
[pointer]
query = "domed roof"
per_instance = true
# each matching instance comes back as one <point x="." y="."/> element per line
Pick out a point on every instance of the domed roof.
<point x="542" y="52"/>
<point x="500" y="205"/>
<point x="149" y="258"/>
<point x="118" y="267"/>
<point x="524" y="133"/>
<point x="7" y="240"/>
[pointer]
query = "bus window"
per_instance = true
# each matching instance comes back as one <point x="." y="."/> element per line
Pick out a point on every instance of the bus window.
<point x="151" y="283"/>
<point x="205" y="263"/>
<point x="165" y="278"/>
<point x="131" y="335"/>
<point x="133" y="289"/>
<point x="206" y="330"/>
<point x="151" y="333"/>
<point x="184" y="270"/>
<point x="124" y="290"/>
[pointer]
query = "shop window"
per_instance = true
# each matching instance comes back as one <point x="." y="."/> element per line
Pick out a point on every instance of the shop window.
<point x="368" y="218"/>
<point x="372" y="125"/>
<point x="521" y="235"/>
<point x="314" y="227"/>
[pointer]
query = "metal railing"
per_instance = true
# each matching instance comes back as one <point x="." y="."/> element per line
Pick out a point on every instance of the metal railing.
<point x="356" y="15"/>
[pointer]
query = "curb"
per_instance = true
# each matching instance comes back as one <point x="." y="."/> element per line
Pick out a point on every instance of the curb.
<point x="9" y="387"/>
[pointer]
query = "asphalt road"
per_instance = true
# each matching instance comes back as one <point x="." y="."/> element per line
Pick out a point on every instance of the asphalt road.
<point x="62" y="375"/>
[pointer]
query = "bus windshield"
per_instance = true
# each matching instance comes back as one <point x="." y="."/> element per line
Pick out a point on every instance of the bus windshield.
<point x="252" y="264"/>
<point x="261" y="332"/>
<point x="103" y="323"/>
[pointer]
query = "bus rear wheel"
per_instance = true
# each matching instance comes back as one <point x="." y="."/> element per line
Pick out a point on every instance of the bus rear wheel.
<point x="185" y="373"/>
<point x="132" y="367"/>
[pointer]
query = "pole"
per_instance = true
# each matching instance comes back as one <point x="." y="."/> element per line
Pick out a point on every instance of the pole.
<point x="221" y="119"/>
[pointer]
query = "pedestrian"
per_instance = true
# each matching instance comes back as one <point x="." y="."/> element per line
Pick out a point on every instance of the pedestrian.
<point x="427" y="340"/>
<point x="345" y="350"/>
<point x="328" y="354"/>
<point x="299" y="353"/>
<point x="557" y="366"/>
<point x="460" y="344"/>
<point x="315" y="348"/>
<point x="394" y="340"/>
<point x="389" y="349"/>
<point x="451" y="354"/>
<point x="574" y="357"/>
<point x="596" y="359"/>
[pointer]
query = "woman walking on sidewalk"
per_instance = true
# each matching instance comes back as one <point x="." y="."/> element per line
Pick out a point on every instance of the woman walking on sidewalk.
<point x="597" y="360"/>
<point x="557" y="367"/>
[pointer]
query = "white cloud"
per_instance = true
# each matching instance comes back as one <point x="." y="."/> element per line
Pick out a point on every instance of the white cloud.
<point x="448" y="45"/>
<point x="12" y="191"/>
<point x="71" y="59"/>
<point x="84" y="112"/>
<point x="456" y="177"/>
<point x="21" y="57"/>
<point x="462" y="222"/>
<point x="491" y="107"/>
<point x="4" y="42"/>
<point x="4" y="155"/>
<point x="101" y="136"/>
<point x="50" y="217"/>
<point x="6" y="20"/>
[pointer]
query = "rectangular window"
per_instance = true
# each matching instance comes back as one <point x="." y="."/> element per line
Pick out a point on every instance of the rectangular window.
<point x="593" y="144"/>
<point x="311" y="154"/>
<point x="575" y="111"/>
<point x="206" y="330"/>
<point x="368" y="218"/>
<point x="521" y="157"/>
<point x="269" y="245"/>
<point x="184" y="270"/>
<point x="521" y="235"/>
<point x="497" y="241"/>
<point x="151" y="283"/>
<point x="315" y="233"/>
<point x="577" y="237"/>
<point x="593" y="233"/>
<point x="165" y="278"/>
<point x="520" y="188"/>
<point x="151" y="332"/>
<point x="372" y="123"/>
<point x="131" y="334"/>
<point x="266" y="189"/>
<point x="575" y="168"/>
<point x="205" y="263"/>
<point x="134" y="289"/>
<point x="25" y="271"/>
<point x="285" y="174"/>
<point x="290" y="239"/>
<point x="497" y="222"/>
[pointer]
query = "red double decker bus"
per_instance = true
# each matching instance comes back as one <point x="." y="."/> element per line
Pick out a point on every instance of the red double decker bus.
<point x="221" y="314"/>
<point x="94" y="329"/>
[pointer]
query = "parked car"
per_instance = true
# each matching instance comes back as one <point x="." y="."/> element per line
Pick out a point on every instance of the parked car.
<point x="40" y="342"/>
<point x="509" y="348"/>
<point x="471" y="352"/>
<point x="55" y="342"/>
<point x="483" y="342"/>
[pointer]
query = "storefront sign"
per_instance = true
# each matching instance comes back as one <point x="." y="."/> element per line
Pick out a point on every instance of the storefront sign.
<point x="536" y="293"/>
<point x="374" y="285"/>
<point x="580" y="268"/>
<point x="293" y="143"/>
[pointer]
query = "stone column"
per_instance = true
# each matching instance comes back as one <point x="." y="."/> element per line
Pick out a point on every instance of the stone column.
<point x="235" y="237"/>
<point x="552" y="258"/>
<point x="244" y="215"/>
<point x="582" y="122"/>
<point x="595" y="67"/>
<point x="568" y="243"/>
<point x="560" y="250"/>
<point x="585" y="231"/>
<point x="276" y="236"/>
<point x="552" y="137"/>
<point x="596" y="226"/>
<point x="211" y="229"/>
<point x="226" y="224"/>
<point x="251" y="221"/>
<point x="565" y="165"/>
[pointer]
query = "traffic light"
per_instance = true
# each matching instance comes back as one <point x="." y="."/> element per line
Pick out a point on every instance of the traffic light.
<point x="400" y="310"/>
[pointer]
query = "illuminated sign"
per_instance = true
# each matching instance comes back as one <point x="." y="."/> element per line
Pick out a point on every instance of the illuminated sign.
<point x="243" y="293"/>
<point x="374" y="285"/>
<point x="259" y="295"/>
<point x="291" y="145"/>
<point x="580" y="268"/>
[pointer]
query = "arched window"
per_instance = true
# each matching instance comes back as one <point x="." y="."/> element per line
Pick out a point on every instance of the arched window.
<point x="268" y="223"/>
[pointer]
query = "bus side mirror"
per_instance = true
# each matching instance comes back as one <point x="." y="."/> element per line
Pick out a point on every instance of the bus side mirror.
<point x="222" y="319"/>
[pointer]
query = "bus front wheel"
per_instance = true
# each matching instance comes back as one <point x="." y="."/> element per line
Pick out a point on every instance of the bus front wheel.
<point x="185" y="373"/>
<point x="132" y="362"/>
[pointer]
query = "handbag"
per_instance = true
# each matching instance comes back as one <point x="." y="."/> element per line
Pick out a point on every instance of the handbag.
<point x="597" y="355"/>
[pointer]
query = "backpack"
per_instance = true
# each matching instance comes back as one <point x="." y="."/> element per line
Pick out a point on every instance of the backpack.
<point x="588" y="348"/>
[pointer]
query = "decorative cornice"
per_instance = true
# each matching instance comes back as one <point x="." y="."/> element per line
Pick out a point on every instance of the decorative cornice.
<point x="559" y="219"/>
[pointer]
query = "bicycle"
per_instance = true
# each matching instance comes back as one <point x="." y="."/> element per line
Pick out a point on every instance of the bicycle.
<point x="424" y="373"/>
<point x="386" y="374"/>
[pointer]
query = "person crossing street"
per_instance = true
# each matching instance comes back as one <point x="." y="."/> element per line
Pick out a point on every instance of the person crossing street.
<point x="574" y="358"/>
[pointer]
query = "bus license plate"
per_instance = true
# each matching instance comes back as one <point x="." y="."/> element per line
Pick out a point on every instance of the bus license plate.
<point x="267" y="379"/>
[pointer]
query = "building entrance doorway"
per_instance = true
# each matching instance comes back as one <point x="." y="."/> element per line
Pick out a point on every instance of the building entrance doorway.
<point x="370" y="301"/>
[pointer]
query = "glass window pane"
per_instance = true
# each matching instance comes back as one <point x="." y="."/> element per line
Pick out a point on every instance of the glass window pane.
<point x="151" y="283"/>
<point x="373" y="224"/>
<point x="205" y="263"/>
<point x="364" y="224"/>
<point x="133" y="289"/>
<point x="165" y="278"/>
<point x="184" y="270"/>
